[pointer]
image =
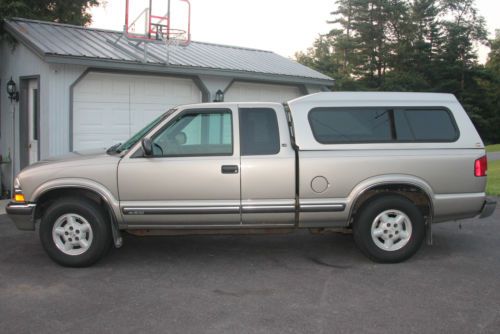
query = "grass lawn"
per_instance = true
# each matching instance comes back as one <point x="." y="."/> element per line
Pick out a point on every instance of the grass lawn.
<point x="493" y="148"/>
<point x="493" y="187"/>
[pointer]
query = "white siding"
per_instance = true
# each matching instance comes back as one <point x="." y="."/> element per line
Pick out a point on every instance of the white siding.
<point x="109" y="108"/>
<point x="257" y="92"/>
<point x="16" y="61"/>
<point x="55" y="82"/>
<point x="57" y="125"/>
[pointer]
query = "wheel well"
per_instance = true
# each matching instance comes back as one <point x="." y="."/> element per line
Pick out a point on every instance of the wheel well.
<point x="413" y="193"/>
<point x="47" y="198"/>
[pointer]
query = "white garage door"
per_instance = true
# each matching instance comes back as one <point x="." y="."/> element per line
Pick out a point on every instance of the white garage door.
<point x="110" y="108"/>
<point x="254" y="92"/>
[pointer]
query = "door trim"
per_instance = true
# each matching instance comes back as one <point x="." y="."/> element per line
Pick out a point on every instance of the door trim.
<point x="24" y="119"/>
<point x="180" y="210"/>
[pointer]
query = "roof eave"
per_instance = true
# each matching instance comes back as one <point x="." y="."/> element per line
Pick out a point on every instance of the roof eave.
<point x="18" y="36"/>
<point x="124" y="65"/>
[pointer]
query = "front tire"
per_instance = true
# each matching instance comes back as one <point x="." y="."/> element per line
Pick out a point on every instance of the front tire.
<point x="389" y="229"/>
<point x="75" y="233"/>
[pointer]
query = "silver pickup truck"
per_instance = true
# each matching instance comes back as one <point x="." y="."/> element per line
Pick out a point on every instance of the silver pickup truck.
<point x="385" y="166"/>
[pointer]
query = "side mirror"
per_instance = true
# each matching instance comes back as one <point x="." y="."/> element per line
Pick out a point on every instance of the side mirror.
<point x="147" y="146"/>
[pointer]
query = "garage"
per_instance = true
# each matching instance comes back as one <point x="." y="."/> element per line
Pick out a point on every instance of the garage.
<point x="240" y="91"/>
<point x="95" y="88"/>
<point x="109" y="108"/>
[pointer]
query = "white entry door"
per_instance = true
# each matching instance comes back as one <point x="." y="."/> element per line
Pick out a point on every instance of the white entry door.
<point x="33" y="130"/>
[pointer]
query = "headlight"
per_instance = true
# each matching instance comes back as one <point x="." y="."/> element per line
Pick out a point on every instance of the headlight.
<point x="18" y="192"/>
<point x="17" y="184"/>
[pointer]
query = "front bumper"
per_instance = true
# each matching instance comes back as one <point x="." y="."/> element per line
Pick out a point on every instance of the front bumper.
<point x="22" y="215"/>
<point x="488" y="208"/>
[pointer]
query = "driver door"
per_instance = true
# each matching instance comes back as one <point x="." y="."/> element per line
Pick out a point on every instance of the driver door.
<point x="192" y="178"/>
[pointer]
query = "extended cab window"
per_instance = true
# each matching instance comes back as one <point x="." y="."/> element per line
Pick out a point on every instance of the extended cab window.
<point x="378" y="125"/>
<point x="196" y="133"/>
<point x="259" y="132"/>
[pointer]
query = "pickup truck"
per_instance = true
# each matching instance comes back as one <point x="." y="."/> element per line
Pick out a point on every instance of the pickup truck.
<point x="385" y="166"/>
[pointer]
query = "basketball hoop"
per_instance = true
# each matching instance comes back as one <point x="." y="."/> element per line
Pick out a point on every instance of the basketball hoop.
<point x="149" y="26"/>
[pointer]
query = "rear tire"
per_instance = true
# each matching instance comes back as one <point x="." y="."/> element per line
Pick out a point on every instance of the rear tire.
<point x="389" y="229"/>
<point x="75" y="233"/>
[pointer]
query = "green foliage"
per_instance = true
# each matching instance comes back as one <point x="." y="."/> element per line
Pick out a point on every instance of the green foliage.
<point x="412" y="45"/>
<point x="493" y="185"/>
<point x="493" y="148"/>
<point x="62" y="11"/>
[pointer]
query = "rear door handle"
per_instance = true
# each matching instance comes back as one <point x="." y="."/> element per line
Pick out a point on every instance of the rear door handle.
<point x="229" y="169"/>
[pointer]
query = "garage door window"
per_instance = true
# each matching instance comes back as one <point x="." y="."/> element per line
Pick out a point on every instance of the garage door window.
<point x="196" y="133"/>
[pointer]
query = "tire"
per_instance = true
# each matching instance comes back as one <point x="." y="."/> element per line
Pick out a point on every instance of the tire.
<point x="389" y="229"/>
<point x="75" y="233"/>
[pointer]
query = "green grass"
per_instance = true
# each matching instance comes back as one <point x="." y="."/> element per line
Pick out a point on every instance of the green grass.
<point x="493" y="148"/>
<point x="493" y="186"/>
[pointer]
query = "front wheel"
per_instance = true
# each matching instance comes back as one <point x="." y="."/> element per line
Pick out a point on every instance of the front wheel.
<point x="74" y="232"/>
<point x="389" y="229"/>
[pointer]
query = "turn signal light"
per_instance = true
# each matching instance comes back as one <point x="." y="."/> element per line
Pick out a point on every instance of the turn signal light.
<point x="19" y="198"/>
<point x="481" y="166"/>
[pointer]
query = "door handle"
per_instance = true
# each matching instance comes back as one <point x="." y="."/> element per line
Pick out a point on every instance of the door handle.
<point x="229" y="169"/>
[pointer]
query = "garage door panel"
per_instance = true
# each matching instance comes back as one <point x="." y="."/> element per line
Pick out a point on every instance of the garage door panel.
<point x="178" y="91"/>
<point x="101" y="89"/>
<point x="109" y="108"/>
<point x="141" y="114"/>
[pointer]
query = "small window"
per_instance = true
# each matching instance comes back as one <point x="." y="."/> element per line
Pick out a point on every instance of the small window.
<point x="259" y="132"/>
<point x="426" y="125"/>
<point x="196" y="133"/>
<point x="351" y="125"/>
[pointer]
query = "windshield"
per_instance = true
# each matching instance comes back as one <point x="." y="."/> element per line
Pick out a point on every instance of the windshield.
<point x="135" y="138"/>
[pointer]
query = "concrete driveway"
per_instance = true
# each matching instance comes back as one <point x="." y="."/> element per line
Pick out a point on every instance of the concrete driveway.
<point x="295" y="283"/>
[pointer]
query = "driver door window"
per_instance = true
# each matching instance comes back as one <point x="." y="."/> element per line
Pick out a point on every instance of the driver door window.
<point x="196" y="133"/>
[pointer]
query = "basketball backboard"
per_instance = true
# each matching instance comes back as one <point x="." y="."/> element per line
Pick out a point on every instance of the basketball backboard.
<point x="166" y="21"/>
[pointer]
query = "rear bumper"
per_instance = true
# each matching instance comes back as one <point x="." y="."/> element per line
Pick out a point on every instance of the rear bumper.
<point x="22" y="215"/>
<point x="488" y="208"/>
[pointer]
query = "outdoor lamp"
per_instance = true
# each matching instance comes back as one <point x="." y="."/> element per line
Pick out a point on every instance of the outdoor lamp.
<point x="219" y="96"/>
<point x="12" y="90"/>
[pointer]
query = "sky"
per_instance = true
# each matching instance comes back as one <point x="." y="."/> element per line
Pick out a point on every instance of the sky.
<point x="281" y="26"/>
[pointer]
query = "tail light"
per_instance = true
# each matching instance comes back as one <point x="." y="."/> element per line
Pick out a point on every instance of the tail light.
<point x="481" y="166"/>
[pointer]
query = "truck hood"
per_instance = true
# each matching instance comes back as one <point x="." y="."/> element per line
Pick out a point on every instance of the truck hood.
<point x="72" y="156"/>
<point x="93" y="165"/>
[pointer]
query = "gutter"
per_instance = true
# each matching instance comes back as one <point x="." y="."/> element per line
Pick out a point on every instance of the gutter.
<point x="182" y="70"/>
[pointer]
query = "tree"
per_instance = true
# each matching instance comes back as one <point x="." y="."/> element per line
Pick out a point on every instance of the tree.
<point x="465" y="28"/>
<point x="489" y="82"/>
<point x="62" y="11"/>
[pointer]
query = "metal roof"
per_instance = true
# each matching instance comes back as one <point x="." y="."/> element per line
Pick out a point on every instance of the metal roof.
<point x="104" y="48"/>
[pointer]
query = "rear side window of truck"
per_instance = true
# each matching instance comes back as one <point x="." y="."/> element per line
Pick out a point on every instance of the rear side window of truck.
<point x="378" y="125"/>
<point x="259" y="133"/>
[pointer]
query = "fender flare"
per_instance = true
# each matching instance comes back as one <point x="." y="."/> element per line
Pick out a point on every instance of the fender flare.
<point x="87" y="184"/>
<point x="389" y="179"/>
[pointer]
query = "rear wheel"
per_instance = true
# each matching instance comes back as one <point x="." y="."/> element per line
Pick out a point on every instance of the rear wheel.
<point x="75" y="233"/>
<point x="389" y="229"/>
